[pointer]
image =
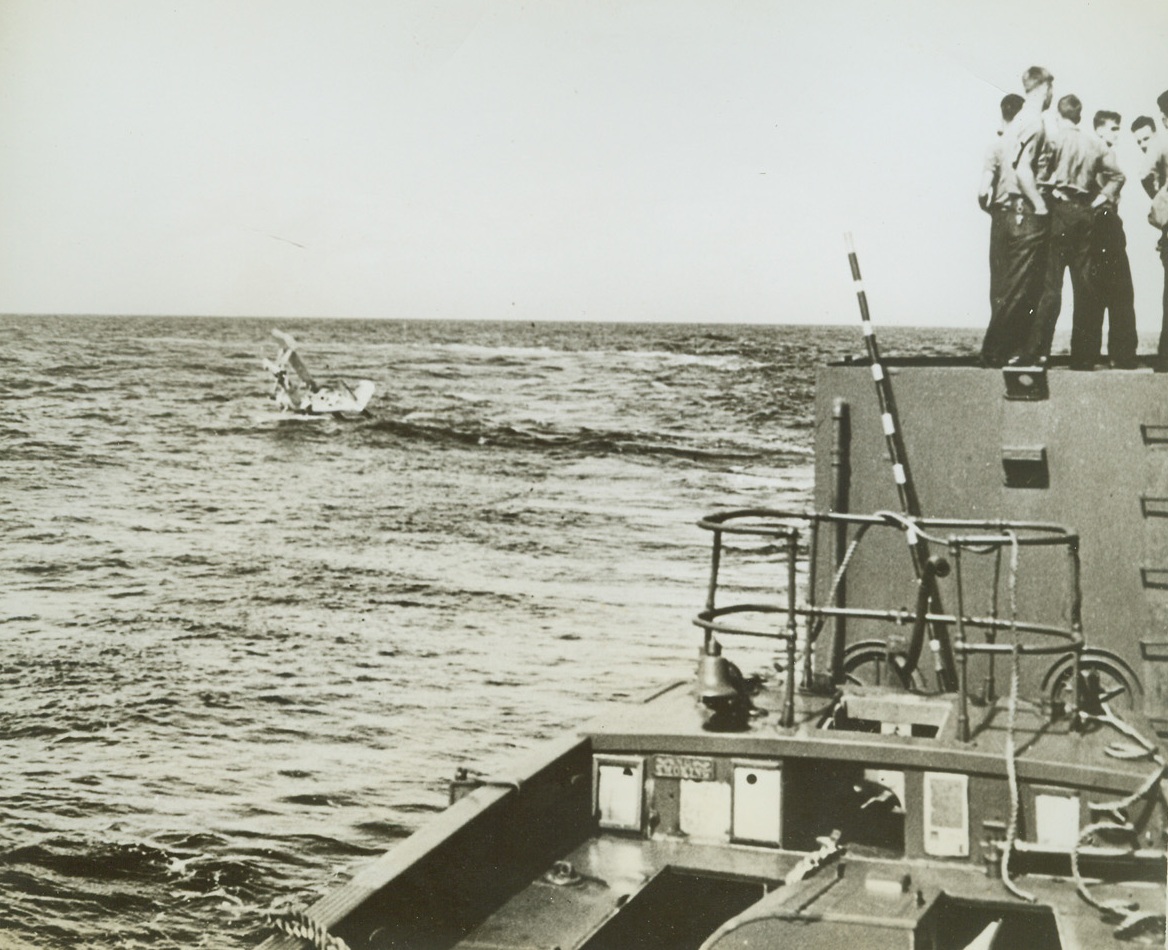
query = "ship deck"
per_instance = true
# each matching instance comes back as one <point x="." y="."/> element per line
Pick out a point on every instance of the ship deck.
<point x="1047" y="751"/>
<point x="667" y="887"/>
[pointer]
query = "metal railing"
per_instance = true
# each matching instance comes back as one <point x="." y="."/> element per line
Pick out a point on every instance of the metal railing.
<point x="957" y="538"/>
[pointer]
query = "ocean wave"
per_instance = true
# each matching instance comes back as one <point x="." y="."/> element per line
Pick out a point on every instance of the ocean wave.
<point x="227" y="626"/>
<point x="85" y="858"/>
<point x="584" y="441"/>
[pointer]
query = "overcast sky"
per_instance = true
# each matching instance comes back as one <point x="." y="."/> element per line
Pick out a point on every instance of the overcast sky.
<point x="690" y="160"/>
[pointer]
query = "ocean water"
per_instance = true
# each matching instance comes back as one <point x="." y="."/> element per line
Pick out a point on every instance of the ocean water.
<point x="241" y="653"/>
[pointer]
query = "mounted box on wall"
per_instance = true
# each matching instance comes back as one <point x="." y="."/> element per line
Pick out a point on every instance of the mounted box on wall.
<point x="1025" y="467"/>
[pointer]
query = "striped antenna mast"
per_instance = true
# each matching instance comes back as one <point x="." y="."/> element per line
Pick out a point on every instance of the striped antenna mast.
<point x="910" y="504"/>
<point x="889" y="419"/>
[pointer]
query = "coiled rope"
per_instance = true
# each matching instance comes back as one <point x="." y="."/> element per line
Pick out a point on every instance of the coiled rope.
<point x="1126" y="913"/>
<point x="296" y="923"/>
<point x="1116" y="822"/>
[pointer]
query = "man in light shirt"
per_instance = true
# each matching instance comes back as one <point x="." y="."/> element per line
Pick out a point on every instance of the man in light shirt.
<point x="1077" y="175"/>
<point x="1112" y="271"/>
<point x="1023" y="235"/>
<point x="997" y="196"/>
<point x="1156" y="179"/>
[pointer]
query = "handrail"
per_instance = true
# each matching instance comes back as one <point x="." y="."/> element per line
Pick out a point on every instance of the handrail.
<point x="957" y="535"/>
<point x="704" y="620"/>
<point x="717" y="521"/>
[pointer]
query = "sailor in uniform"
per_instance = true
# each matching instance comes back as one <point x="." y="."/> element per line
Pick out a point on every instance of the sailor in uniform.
<point x="1154" y="181"/>
<point x="1023" y="236"/>
<point x="1078" y="174"/>
<point x="1112" y="271"/>
<point x="998" y="192"/>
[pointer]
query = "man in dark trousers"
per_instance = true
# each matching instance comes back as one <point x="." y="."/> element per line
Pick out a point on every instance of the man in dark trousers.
<point x="1077" y="174"/>
<point x="1023" y="229"/>
<point x="1112" y="271"/>
<point x="1154" y="181"/>
<point x="996" y="196"/>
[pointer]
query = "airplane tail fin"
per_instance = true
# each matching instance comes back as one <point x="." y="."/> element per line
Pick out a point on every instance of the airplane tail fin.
<point x="292" y="358"/>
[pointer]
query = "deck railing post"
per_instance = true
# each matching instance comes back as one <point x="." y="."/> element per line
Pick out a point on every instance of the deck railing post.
<point x="712" y="590"/>
<point x="991" y="688"/>
<point x="840" y="468"/>
<point x="1076" y="624"/>
<point x="789" y="691"/>
<point x="963" y="655"/>
<point x="808" y="641"/>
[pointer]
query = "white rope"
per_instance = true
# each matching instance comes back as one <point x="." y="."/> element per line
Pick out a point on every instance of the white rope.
<point x="1108" y="907"/>
<point x="909" y="524"/>
<point x="1126" y="913"/>
<point x="1011" y="748"/>
<point x="1117" y="822"/>
<point x="298" y="924"/>
<point x="839" y="576"/>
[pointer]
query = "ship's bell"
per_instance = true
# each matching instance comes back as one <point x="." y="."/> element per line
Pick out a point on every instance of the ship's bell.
<point x="721" y="688"/>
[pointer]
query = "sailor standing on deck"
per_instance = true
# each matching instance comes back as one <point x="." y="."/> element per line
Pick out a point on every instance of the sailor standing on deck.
<point x="1155" y="181"/>
<point x="1024" y="235"/>
<point x="998" y="192"/>
<point x="1112" y="271"/>
<point x="1077" y="174"/>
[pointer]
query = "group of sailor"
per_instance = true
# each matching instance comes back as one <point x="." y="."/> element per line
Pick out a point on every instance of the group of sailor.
<point x="1052" y="191"/>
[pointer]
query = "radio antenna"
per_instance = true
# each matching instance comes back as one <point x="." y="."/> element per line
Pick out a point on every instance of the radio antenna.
<point x="906" y="491"/>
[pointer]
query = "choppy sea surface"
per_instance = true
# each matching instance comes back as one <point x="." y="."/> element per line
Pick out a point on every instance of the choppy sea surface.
<point x="242" y="653"/>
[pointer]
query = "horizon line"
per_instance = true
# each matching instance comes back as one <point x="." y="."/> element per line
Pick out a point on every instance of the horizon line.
<point x="516" y="320"/>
